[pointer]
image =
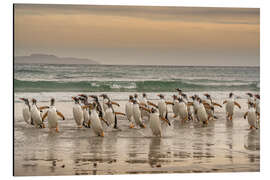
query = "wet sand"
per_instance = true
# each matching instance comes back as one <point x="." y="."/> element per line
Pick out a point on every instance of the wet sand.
<point x="222" y="146"/>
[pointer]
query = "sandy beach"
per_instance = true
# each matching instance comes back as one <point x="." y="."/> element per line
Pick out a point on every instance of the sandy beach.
<point x="222" y="146"/>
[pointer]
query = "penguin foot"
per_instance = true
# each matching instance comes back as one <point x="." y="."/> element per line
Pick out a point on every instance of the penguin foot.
<point x="101" y="134"/>
<point x="57" y="130"/>
<point x="131" y="126"/>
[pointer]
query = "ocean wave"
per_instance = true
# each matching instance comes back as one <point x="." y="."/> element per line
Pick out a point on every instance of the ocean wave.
<point x="132" y="86"/>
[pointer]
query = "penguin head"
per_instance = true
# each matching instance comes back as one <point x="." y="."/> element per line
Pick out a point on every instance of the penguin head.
<point x="153" y="110"/>
<point x="184" y="96"/>
<point x="135" y="96"/>
<point x="130" y="97"/>
<point x="83" y="96"/>
<point x="82" y="99"/>
<point x="174" y="97"/>
<point x="257" y="96"/>
<point x="161" y="96"/>
<point x="231" y="94"/>
<point x="251" y="104"/>
<point x="144" y="95"/>
<point x="179" y="90"/>
<point x="105" y="96"/>
<point x="249" y="94"/>
<point x="180" y="100"/>
<point x="76" y="100"/>
<point x="207" y="95"/>
<point x="192" y="97"/>
<point x="34" y="101"/>
<point x="26" y="101"/>
<point x="52" y="101"/>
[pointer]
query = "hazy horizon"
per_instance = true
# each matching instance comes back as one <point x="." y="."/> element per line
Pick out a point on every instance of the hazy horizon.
<point x="140" y="35"/>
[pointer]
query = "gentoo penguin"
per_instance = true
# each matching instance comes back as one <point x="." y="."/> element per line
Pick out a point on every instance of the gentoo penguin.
<point x="174" y="107"/>
<point x="129" y="110"/>
<point x="182" y="110"/>
<point x="230" y="106"/>
<point x="179" y="92"/>
<point x="95" y="121"/>
<point x="195" y="105"/>
<point x="257" y="105"/>
<point x="162" y="107"/>
<point x="77" y="112"/>
<point x="201" y="112"/>
<point x="144" y="101"/>
<point x="52" y="116"/>
<point x="185" y="99"/>
<point x="98" y="109"/>
<point x="251" y="115"/>
<point x="137" y="114"/>
<point x="154" y="121"/>
<point x="106" y="99"/>
<point x="110" y="114"/>
<point x="36" y="115"/>
<point x="210" y="111"/>
<point x="27" y="111"/>
<point x="86" y="111"/>
<point x="250" y="99"/>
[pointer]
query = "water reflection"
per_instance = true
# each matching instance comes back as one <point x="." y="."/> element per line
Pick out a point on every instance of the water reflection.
<point x="154" y="153"/>
<point x="252" y="140"/>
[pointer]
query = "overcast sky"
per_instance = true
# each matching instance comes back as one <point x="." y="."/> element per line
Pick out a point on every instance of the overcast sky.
<point x="140" y="35"/>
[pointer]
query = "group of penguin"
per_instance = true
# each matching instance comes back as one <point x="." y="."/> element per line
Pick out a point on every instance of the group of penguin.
<point x="90" y="112"/>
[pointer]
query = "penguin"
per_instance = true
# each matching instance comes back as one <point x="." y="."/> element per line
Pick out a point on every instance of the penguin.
<point x="182" y="110"/>
<point x="129" y="110"/>
<point x="52" y="116"/>
<point x="250" y="99"/>
<point x="201" y="112"/>
<point x="110" y="114"/>
<point x="98" y="108"/>
<point x="155" y="121"/>
<point x="144" y="101"/>
<point x="77" y="112"/>
<point x="210" y="111"/>
<point x="257" y="105"/>
<point x="230" y="103"/>
<point x="251" y="116"/>
<point x="137" y="114"/>
<point x="174" y="107"/>
<point x="86" y="112"/>
<point x="26" y="111"/>
<point x="36" y="114"/>
<point x="95" y="121"/>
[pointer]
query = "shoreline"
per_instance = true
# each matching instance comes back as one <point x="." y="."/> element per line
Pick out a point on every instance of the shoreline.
<point x="220" y="147"/>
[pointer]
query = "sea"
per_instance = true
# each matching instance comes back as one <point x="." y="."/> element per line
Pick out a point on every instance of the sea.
<point x="45" y="80"/>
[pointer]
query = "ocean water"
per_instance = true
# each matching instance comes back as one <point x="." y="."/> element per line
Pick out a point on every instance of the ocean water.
<point x="124" y="78"/>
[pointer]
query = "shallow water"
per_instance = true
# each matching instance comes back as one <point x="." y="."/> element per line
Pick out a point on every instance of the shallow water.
<point x="222" y="146"/>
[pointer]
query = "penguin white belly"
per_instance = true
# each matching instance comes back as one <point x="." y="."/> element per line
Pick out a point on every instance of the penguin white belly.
<point x="137" y="115"/>
<point x="52" y="118"/>
<point x="252" y="118"/>
<point x="78" y="114"/>
<point x="129" y="111"/>
<point x="230" y="107"/>
<point x="96" y="124"/>
<point x="155" y="124"/>
<point x="143" y="112"/>
<point x="35" y="114"/>
<point x="26" y="114"/>
<point x="162" y="108"/>
<point x="109" y="116"/>
<point x="183" y="113"/>
<point x="201" y="113"/>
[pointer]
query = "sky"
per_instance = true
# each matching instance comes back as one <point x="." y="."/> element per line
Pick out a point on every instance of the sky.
<point x="144" y="35"/>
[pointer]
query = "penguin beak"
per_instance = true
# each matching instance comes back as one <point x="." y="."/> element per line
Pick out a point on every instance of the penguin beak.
<point x="23" y="99"/>
<point x="158" y="95"/>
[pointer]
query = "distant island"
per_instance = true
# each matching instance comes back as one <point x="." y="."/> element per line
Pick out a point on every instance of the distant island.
<point x="51" y="59"/>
